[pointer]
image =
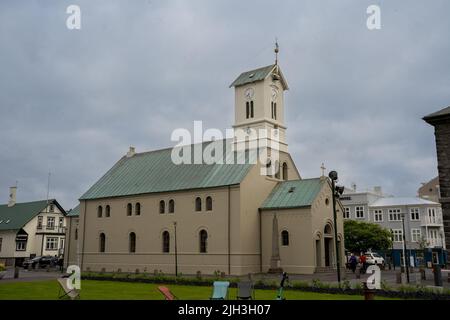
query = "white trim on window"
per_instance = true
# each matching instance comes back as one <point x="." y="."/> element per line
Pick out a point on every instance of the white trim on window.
<point x="416" y="235"/>
<point x="378" y="215"/>
<point x="397" y="235"/>
<point x="359" y="212"/>
<point x="414" y="214"/>
<point x="394" y="214"/>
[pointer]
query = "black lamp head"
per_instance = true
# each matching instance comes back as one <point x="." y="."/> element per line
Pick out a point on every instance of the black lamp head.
<point x="333" y="175"/>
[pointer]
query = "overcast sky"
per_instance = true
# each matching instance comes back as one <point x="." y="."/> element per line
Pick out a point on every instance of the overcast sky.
<point x="73" y="101"/>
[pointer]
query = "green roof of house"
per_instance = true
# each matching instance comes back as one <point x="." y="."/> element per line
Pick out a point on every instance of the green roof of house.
<point x="293" y="194"/>
<point x="154" y="171"/>
<point x="17" y="216"/>
<point x="75" y="212"/>
<point x="252" y="76"/>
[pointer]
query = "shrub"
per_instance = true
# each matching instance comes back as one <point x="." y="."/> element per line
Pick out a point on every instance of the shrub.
<point x="2" y="267"/>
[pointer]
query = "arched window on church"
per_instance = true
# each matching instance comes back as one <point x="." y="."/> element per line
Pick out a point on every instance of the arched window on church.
<point x="285" y="238"/>
<point x="107" y="211"/>
<point x="247" y="109"/>
<point x="198" y="204"/>
<point x="285" y="171"/>
<point x="171" y="206"/>
<point x="277" y="168"/>
<point x="203" y="241"/>
<point x="129" y="209"/>
<point x="99" y="211"/>
<point x="102" y="243"/>
<point x="208" y="203"/>
<point x="252" y="114"/>
<point x="137" y="209"/>
<point x="132" y="242"/>
<point x="272" y="109"/>
<point x="166" y="242"/>
<point x="162" y="207"/>
<point x="275" y="110"/>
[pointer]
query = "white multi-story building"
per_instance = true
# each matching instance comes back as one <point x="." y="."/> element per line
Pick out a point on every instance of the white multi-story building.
<point x="31" y="229"/>
<point x="424" y="230"/>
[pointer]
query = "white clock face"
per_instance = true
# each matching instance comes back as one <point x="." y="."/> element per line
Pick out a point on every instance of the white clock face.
<point x="249" y="93"/>
<point x="274" y="93"/>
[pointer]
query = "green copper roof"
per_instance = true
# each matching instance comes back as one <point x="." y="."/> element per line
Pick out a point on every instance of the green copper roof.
<point x="293" y="194"/>
<point x="252" y="76"/>
<point x="75" y="212"/>
<point x="154" y="171"/>
<point x="15" y="217"/>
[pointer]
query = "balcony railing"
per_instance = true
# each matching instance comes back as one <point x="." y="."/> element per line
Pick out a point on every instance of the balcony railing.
<point x="51" y="228"/>
<point x="427" y="220"/>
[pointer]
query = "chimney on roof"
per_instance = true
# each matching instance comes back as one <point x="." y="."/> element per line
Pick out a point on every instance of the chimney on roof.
<point x="378" y="190"/>
<point x="131" y="152"/>
<point x="354" y="186"/>
<point x="12" y="196"/>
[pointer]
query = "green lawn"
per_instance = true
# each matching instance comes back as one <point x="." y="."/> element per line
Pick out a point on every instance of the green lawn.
<point x="109" y="290"/>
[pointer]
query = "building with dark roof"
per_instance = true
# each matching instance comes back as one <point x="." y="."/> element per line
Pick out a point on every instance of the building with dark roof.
<point x="30" y="229"/>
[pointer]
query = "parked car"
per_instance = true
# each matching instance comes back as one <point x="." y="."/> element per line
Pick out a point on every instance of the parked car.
<point x="374" y="258"/>
<point x="40" y="262"/>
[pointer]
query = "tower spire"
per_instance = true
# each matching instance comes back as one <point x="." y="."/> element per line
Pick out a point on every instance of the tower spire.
<point x="277" y="49"/>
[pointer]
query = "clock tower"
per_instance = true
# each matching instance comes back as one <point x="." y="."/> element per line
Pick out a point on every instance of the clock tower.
<point x="259" y="102"/>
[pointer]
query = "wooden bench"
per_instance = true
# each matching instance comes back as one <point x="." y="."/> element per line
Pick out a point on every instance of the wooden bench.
<point x="72" y="294"/>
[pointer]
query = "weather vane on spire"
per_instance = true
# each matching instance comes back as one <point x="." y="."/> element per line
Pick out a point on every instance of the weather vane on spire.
<point x="277" y="49"/>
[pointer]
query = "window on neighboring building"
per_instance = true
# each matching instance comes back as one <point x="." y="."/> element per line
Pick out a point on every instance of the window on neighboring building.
<point x="203" y="241"/>
<point x="21" y="245"/>
<point x="397" y="235"/>
<point x="416" y="235"/>
<point x="198" y="204"/>
<point x="39" y="222"/>
<point x="378" y="215"/>
<point x="359" y="211"/>
<point x="414" y="213"/>
<point x="52" y="208"/>
<point x="137" y="209"/>
<point x="395" y="215"/>
<point x="166" y="241"/>
<point x="50" y="223"/>
<point x="346" y="213"/>
<point x="284" y="238"/>
<point x="51" y="244"/>
<point x="102" y="244"/>
<point x="171" y="206"/>
<point x="61" y="222"/>
<point x="129" y="209"/>
<point x="431" y="215"/>
<point x="209" y="204"/>
<point x="285" y="171"/>
<point x="132" y="242"/>
<point x="107" y="211"/>
<point x="162" y="206"/>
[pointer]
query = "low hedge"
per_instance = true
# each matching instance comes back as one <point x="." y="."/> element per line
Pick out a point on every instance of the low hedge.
<point x="404" y="292"/>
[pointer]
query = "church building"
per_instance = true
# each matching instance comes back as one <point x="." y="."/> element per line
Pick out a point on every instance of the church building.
<point x="147" y="213"/>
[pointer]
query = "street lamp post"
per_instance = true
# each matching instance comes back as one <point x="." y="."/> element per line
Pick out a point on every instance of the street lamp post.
<point x="336" y="191"/>
<point x="176" y="250"/>
<point x="405" y="261"/>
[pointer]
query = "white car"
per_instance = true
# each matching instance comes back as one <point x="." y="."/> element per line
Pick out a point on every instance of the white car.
<point x="374" y="258"/>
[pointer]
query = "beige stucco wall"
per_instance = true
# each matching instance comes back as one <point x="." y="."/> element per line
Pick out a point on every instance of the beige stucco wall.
<point x="304" y="225"/>
<point x="71" y="249"/>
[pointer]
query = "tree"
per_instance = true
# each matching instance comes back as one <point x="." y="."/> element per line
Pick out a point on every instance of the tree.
<point x="362" y="236"/>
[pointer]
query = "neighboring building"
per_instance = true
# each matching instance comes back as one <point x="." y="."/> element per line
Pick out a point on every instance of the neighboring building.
<point x="441" y="122"/>
<point x="430" y="190"/>
<point x="71" y="249"/>
<point x="224" y="213"/>
<point x="30" y="229"/>
<point x="423" y="223"/>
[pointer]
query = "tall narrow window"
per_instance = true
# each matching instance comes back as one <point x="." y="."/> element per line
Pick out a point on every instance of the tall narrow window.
<point x="277" y="170"/>
<point x="102" y="244"/>
<point x="132" y="241"/>
<point x="271" y="105"/>
<point x="171" y="206"/>
<point x="275" y="110"/>
<point x="203" y="241"/>
<point x="166" y="241"/>
<point x="208" y="204"/>
<point x="129" y="209"/>
<point x="137" y="209"/>
<point x="107" y="211"/>
<point x="284" y="238"/>
<point x="76" y="234"/>
<point x="99" y="211"/>
<point x="285" y="171"/>
<point x="198" y="204"/>
<point x="247" y="109"/>
<point x="162" y="206"/>
<point x="252" y="114"/>
<point x="39" y="225"/>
